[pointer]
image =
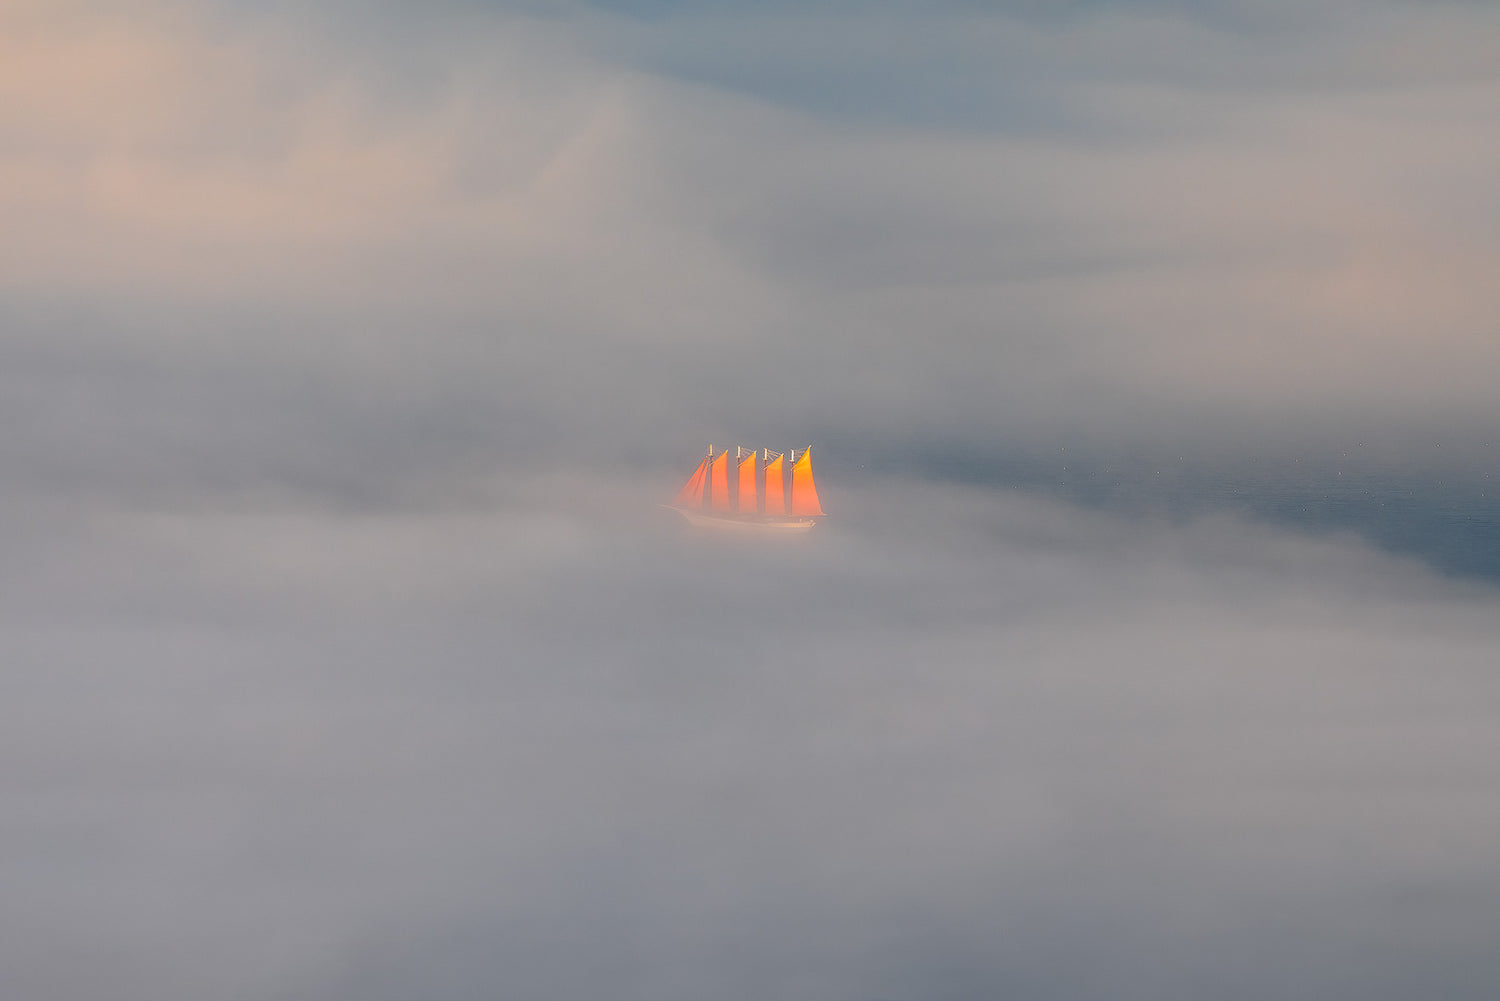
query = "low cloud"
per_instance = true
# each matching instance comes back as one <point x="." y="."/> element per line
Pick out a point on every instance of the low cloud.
<point x="959" y="743"/>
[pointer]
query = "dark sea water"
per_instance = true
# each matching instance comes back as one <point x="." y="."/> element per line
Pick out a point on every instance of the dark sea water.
<point x="1449" y="520"/>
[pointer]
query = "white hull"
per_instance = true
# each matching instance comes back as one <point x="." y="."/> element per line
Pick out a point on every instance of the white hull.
<point x="744" y="523"/>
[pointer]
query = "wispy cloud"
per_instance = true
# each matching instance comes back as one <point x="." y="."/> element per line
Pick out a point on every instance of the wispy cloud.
<point x="1211" y="223"/>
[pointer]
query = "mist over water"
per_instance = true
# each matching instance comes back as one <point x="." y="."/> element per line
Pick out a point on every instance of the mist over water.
<point x="959" y="741"/>
<point x="1449" y="520"/>
<point x="348" y="355"/>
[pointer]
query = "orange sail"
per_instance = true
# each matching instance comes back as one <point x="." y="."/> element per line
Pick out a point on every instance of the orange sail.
<point x="719" y="490"/>
<point x="774" y="486"/>
<point x="804" y="491"/>
<point x="747" y="484"/>
<point x="691" y="494"/>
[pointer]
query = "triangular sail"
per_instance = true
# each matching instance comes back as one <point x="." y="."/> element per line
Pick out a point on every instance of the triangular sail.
<point x="691" y="494"/>
<point x="804" y="491"/>
<point x="719" y="482"/>
<point x="747" y="484"/>
<point x="775" y="486"/>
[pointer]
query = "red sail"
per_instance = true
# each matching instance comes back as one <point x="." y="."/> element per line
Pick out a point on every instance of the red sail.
<point x="804" y="491"/>
<point x="775" y="488"/>
<point x="719" y="490"/>
<point x="691" y="494"/>
<point x="747" y="484"/>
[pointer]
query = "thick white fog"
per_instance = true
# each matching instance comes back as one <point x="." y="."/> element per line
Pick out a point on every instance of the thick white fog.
<point x="347" y="352"/>
<point x="957" y="744"/>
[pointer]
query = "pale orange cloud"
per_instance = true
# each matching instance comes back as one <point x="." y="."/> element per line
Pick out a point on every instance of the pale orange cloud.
<point x="1245" y="250"/>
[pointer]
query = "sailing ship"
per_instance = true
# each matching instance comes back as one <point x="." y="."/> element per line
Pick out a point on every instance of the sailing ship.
<point x="763" y="496"/>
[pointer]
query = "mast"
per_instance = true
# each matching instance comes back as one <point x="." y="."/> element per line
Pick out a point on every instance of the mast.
<point x="718" y="494"/>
